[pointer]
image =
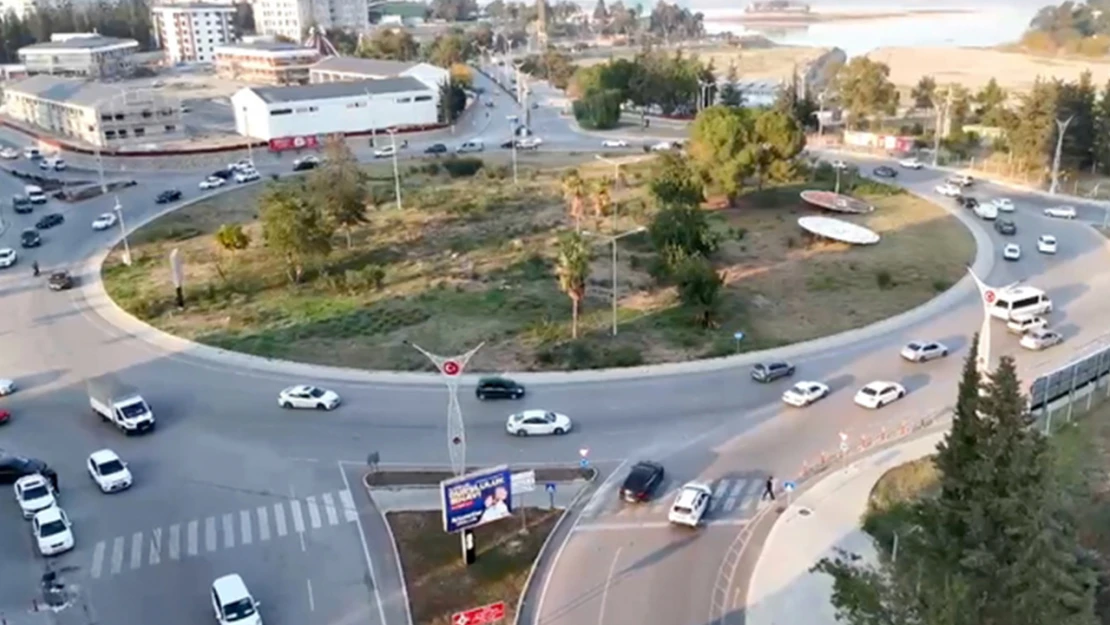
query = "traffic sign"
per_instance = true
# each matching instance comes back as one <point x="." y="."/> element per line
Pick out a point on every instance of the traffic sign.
<point x="583" y="452"/>
<point x="843" y="437"/>
<point x="451" y="368"/>
<point x="739" y="336"/>
<point x="523" y="482"/>
<point x="484" y="615"/>
<point x="789" y="486"/>
<point x="550" y="487"/>
<point x="990" y="296"/>
<point x="844" y="447"/>
<point x="584" y="463"/>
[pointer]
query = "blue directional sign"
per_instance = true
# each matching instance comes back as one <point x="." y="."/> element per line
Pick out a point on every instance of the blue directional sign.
<point x="550" y="487"/>
<point x="739" y="336"/>
<point x="584" y="463"/>
<point x="789" y="486"/>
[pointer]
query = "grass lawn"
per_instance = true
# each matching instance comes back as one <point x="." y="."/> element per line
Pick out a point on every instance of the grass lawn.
<point x="473" y="260"/>
<point x="440" y="584"/>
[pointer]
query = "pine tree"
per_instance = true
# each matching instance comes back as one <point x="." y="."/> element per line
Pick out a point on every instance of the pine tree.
<point x="1032" y="139"/>
<point x="1078" y="100"/>
<point x="1102" y="131"/>
<point x="730" y="91"/>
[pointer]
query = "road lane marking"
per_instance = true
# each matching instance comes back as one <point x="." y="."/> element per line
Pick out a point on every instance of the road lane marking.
<point x="175" y="541"/>
<point x="298" y="518"/>
<point x="734" y="495"/>
<point x="98" y="559"/>
<point x="311" y="599"/>
<point x="136" y="550"/>
<point x="117" y="554"/>
<point x="263" y="524"/>
<point x="608" y="583"/>
<point x="245" y="526"/>
<point x="313" y="512"/>
<point x="191" y="534"/>
<point x="649" y="525"/>
<point x="279" y="519"/>
<point x="210" y="534"/>
<point x="349" y="509"/>
<point x="229" y="531"/>
<point x="156" y="547"/>
<point x="366" y="555"/>
<point x="329" y="508"/>
<point x="719" y="494"/>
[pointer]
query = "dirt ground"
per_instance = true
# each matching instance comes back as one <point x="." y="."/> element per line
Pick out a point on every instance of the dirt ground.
<point x="751" y="64"/>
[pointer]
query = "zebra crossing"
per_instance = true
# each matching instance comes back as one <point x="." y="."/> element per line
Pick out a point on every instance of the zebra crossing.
<point x="732" y="498"/>
<point x="225" y="531"/>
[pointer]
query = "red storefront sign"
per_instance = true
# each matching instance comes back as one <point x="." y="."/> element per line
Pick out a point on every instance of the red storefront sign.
<point x="485" y="615"/>
<point x="283" y="144"/>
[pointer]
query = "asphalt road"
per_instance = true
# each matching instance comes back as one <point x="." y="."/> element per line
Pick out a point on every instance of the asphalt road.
<point x="231" y="483"/>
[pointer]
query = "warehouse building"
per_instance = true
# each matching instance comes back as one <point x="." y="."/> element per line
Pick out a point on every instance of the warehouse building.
<point x="80" y="54"/>
<point x="269" y="113"/>
<point x="92" y="112"/>
<point x="340" y="68"/>
<point x="266" y="62"/>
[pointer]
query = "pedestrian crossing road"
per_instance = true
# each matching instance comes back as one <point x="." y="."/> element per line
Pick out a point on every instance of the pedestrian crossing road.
<point x="200" y="536"/>
<point x="734" y="500"/>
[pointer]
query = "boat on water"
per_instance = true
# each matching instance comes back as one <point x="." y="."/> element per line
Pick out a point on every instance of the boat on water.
<point x="782" y="7"/>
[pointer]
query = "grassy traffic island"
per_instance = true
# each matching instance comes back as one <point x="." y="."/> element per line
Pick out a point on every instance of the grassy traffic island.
<point x="469" y="257"/>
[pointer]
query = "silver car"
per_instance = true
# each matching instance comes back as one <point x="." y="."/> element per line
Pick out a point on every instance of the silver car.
<point x="922" y="351"/>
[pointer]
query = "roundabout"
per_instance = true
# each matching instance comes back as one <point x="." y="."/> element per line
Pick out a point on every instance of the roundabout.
<point x="225" y="451"/>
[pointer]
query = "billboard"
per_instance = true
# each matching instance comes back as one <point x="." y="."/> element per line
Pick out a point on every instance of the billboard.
<point x="1065" y="380"/>
<point x="282" y="144"/>
<point x="476" y="498"/>
<point x="890" y="143"/>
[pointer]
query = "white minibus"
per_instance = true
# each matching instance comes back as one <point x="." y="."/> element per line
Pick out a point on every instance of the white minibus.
<point x="1020" y="302"/>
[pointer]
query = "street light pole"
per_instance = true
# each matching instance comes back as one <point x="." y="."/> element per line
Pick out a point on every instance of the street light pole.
<point x="613" y="244"/>
<point x="1061" y="127"/>
<point x="940" y="119"/>
<point x="123" y="229"/>
<point x="396" y="172"/>
<point x="100" y="171"/>
<point x="247" y="131"/>
<point x="512" y="139"/>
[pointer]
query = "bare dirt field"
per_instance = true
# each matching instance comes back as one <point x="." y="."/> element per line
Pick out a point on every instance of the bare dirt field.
<point x="751" y="63"/>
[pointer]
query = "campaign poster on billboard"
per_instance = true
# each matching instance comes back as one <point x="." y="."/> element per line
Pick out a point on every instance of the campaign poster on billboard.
<point x="476" y="498"/>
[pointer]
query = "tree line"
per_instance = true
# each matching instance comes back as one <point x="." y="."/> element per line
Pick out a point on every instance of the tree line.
<point x="1071" y="27"/>
<point x="129" y="19"/>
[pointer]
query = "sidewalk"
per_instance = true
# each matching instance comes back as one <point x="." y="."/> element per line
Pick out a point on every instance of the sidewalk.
<point x="782" y="591"/>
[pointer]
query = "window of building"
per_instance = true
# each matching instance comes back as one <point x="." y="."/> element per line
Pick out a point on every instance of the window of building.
<point x="422" y="98"/>
<point x="105" y="117"/>
<point x="118" y="117"/>
<point x="122" y="133"/>
<point x="404" y="100"/>
<point x="140" y="132"/>
<point x="147" y="114"/>
<point x="281" y="112"/>
<point x="171" y="128"/>
<point x="109" y="134"/>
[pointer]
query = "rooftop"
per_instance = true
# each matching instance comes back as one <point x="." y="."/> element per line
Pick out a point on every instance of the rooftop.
<point x="323" y="91"/>
<point x="194" y="6"/>
<point x="92" y="42"/>
<point x="266" y="46"/>
<point x="72" y="90"/>
<point x="368" y="67"/>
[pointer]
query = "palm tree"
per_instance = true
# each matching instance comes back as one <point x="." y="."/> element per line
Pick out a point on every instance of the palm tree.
<point x="603" y="200"/>
<point x="574" y="192"/>
<point x="573" y="267"/>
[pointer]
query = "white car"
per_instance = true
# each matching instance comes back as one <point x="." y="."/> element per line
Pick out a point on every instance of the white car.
<point x="1060" y="212"/>
<point x="103" y="222"/>
<point x="9" y="153"/>
<point x="924" y="351"/>
<point x="690" y="505"/>
<point x="911" y="163"/>
<point x="1012" y="251"/>
<point x="305" y="396"/>
<point x="878" y="394"/>
<point x="948" y="190"/>
<point x="1046" y="244"/>
<point x="310" y="161"/>
<point x="233" y="603"/>
<point x="529" y="143"/>
<point x="1004" y="205"/>
<point x="662" y="146"/>
<point x="108" y="471"/>
<point x="805" y="393"/>
<point x="987" y="211"/>
<point x="212" y="182"/>
<point x="538" y="422"/>
<point x="241" y="164"/>
<point x="52" y="531"/>
<point x="246" y="175"/>
<point x="1040" y="339"/>
<point x="8" y="257"/>
<point x="52" y="163"/>
<point x="385" y="152"/>
<point x="614" y="143"/>
<point x="34" y="494"/>
<point x="7" y="387"/>
<point x="1021" y="325"/>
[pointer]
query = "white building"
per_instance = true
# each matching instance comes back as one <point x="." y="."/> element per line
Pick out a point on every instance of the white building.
<point x="292" y="18"/>
<point x="269" y="113"/>
<point x="341" y="68"/>
<point x="80" y="54"/>
<point x="190" y="33"/>
<point x="266" y="62"/>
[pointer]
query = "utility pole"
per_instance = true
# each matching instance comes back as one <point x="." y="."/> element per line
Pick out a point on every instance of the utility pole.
<point x="396" y="172"/>
<point x="1062" y="128"/>
<point x="942" y="115"/>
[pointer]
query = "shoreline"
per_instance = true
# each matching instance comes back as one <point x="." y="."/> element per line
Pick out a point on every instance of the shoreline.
<point x="781" y="19"/>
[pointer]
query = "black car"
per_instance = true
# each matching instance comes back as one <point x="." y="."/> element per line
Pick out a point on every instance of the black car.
<point x="886" y="172"/>
<point x="969" y="203"/>
<point x="14" y="467"/>
<point x="30" y="238"/>
<point x="49" y="221"/>
<point x="306" y="163"/>
<point x="1005" y="226"/>
<point x="226" y="174"/>
<point x="22" y="204"/>
<point x="60" y="281"/>
<point x="771" y="371"/>
<point x="167" y="196"/>
<point x="436" y="148"/>
<point x="508" y="145"/>
<point x="498" y="388"/>
<point x="642" y="481"/>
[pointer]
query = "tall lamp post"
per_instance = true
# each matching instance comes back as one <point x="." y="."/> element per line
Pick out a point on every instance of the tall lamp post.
<point x="987" y="295"/>
<point x="513" y="124"/>
<point x="613" y="244"/>
<point x="247" y="133"/>
<point x="1062" y="128"/>
<point x="123" y="230"/>
<point x="396" y="172"/>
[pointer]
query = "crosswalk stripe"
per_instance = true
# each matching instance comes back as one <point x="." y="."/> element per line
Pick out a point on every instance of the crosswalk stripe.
<point x="313" y="512"/>
<point x="263" y="524"/>
<point x="210" y="534"/>
<point x="156" y="547"/>
<point x="229" y="531"/>
<point x="98" y="559"/>
<point x="349" y="510"/>
<point x="279" y="519"/>
<point x="298" y="519"/>
<point x="738" y="487"/>
<point x="329" y="508"/>
<point x="117" y="554"/>
<point x="136" y="550"/>
<point x="730" y="504"/>
<point x="245" y="526"/>
<point x="192" y="537"/>
<point x="175" y="541"/>
<point x="722" y="486"/>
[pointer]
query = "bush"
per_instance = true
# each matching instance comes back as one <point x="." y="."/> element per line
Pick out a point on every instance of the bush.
<point x="599" y="109"/>
<point x="681" y="232"/>
<point x="884" y="279"/>
<point x="463" y="167"/>
<point x="891" y="499"/>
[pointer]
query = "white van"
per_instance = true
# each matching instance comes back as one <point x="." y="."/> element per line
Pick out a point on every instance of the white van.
<point x="35" y="194"/>
<point x="31" y="153"/>
<point x="473" y="145"/>
<point x="1020" y="302"/>
<point x="986" y="211"/>
<point x="233" y="603"/>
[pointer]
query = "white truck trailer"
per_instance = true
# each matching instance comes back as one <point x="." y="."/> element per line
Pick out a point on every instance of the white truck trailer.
<point x="120" y="404"/>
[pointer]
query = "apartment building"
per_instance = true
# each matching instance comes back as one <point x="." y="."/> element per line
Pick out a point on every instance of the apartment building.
<point x="191" y="32"/>
<point x="266" y="62"/>
<point x="93" y="112"/>
<point x="292" y="18"/>
<point x="80" y="54"/>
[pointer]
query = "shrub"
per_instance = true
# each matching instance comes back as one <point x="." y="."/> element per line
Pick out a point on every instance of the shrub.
<point x="599" y="109"/>
<point x="884" y="279"/>
<point x="462" y="167"/>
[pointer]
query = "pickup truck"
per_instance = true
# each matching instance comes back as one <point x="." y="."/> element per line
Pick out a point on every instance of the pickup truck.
<point x="120" y="404"/>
